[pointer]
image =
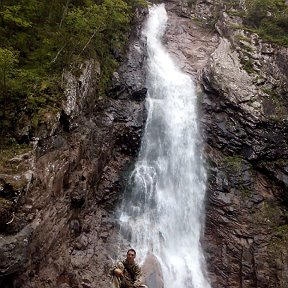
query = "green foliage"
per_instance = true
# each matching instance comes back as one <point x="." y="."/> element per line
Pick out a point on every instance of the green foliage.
<point x="95" y="28"/>
<point x="10" y="14"/>
<point x="243" y="38"/>
<point x="247" y="65"/>
<point x="9" y="150"/>
<point x="38" y="39"/>
<point x="230" y="4"/>
<point x="269" y="18"/>
<point x="8" y="61"/>
<point x="245" y="43"/>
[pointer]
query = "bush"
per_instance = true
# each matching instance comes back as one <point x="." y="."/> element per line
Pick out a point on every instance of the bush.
<point x="269" y="18"/>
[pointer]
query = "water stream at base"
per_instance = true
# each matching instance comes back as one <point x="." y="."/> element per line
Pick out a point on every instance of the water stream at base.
<point x="162" y="211"/>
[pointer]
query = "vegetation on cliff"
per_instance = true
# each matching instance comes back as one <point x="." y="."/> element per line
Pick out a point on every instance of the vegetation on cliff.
<point x="38" y="39"/>
<point x="268" y="18"/>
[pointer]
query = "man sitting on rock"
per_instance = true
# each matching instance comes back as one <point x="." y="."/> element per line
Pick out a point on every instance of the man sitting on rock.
<point x="127" y="273"/>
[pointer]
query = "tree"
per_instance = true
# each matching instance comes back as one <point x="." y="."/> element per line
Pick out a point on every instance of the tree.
<point x="10" y="14"/>
<point x="51" y="36"/>
<point x="8" y="61"/>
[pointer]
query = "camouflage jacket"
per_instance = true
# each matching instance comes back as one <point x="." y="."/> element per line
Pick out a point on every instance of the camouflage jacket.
<point x="132" y="272"/>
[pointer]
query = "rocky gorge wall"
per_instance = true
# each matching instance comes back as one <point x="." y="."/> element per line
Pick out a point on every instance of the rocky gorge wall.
<point x="63" y="232"/>
<point x="57" y="233"/>
<point x="244" y="122"/>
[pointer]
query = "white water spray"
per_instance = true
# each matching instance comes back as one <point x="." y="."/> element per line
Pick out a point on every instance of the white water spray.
<point x="163" y="205"/>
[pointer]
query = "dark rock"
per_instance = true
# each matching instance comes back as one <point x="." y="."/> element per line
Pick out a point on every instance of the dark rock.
<point x="14" y="251"/>
<point x="77" y="199"/>
<point x="75" y="227"/>
<point x="6" y="213"/>
<point x="64" y="285"/>
<point x="64" y="121"/>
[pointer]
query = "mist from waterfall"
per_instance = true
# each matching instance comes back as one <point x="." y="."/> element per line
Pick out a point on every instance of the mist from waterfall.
<point x="162" y="210"/>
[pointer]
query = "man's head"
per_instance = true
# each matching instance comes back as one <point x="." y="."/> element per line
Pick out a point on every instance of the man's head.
<point x="131" y="254"/>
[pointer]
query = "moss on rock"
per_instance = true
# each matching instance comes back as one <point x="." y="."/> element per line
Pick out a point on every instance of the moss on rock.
<point x="6" y="212"/>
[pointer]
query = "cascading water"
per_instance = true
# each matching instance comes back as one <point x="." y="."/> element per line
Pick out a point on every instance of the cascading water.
<point x="163" y="204"/>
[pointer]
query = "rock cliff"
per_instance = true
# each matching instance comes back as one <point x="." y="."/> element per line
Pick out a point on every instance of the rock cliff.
<point x="244" y="122"/>
<point x="62" y="233"/>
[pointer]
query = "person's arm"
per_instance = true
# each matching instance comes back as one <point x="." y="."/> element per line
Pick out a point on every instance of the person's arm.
<point x="137" y="276"/>
<point x="115" y="270"/>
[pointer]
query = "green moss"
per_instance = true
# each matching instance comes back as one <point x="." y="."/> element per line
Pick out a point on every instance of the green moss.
<point x="231" y="4"/>
<point x="242" y="37"/>
<point x="245" y="192"/>
<point x="237" y="26"/>
<point x="233" y="163"/>
<point x="9" y="151"/>
<point x="5" y="204"/>
<point x="233" y="166"/>
<point x="282" y="231"/>
<point x="245" y="43"/>
<point x="272" y="212"/>
<point x="278" y="102"/>
<point x="236" y="13"/>
<point x="279" y="240"/>
<point x="6" y="209"/>
<point x="247" y="65"/>
<point x="268" y="214"/>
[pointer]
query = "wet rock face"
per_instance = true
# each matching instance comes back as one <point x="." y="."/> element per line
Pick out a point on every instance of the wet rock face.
<point x="246" y="226"/>
<point x="243" y="224"/>
<point x="68" y="235"/>
<point x="152" y="271"/>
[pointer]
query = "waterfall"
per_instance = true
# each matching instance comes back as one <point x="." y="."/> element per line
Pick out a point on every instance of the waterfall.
<point x="162" y="211"/>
